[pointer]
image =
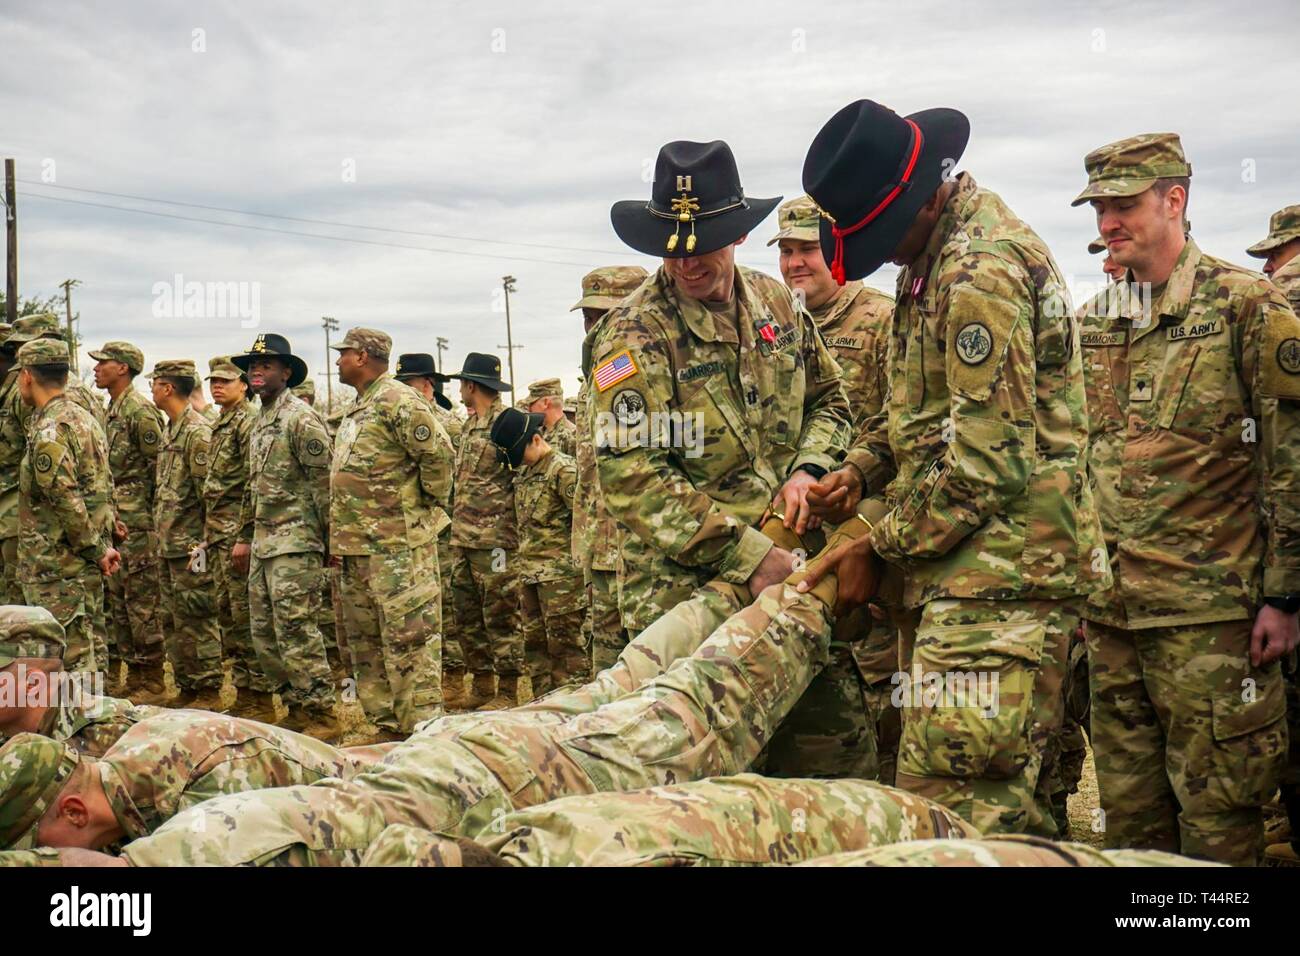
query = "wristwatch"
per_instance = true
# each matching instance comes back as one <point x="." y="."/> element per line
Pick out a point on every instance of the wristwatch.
<point x="817" y="471"/>
<point x="1288" y="604"/>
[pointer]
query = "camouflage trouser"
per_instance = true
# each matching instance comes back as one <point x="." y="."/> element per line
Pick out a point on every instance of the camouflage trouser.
<point x="1062" y="778"/>
<point x="608" y="637"/>
<point x="650" y="584"/>
<point x="11" y="592"/>
<point x="193" y="642"/>
<point x="392" y="610"/>
<point x="283" y="595"/>
<point x="232" y="612"/>
<point x="77" y="602"/>
<point x="133" y="601"/>
<point x="694" y="824"/>
<point x="1291" y="775"/>
<point x="982" y="708"/>
<point x="557" y="608"/>
<point x="1188" y="737"/>
<point x="487" y="609"/>
<point x="338" y="633"/>
<point x="1005" y="850"/>
<point x="453" y="657"/>
<point x="706" y="715"/>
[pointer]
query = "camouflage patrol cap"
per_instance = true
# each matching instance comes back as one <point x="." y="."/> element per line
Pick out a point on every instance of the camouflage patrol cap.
<point x="33" y="769"/>
<point x="546" y="388"/>
<point x="43" y="352"/>
<point x="42" y="324"/>
<point x="174" y="368"/>
<point x="1131" y="166"/>
<point x="123" y="352"/>
<point x="371" y="341"/>
<point x="1283" y="227"/>
<point x="798" y="219"/>
<point x="606" y="287"/>
<point x="5" y="331"/>
<point x="31" y="632"/>
<point x="305" y="389"/>
<point x="1097" y="245"/>
<point x="223" y="369"/>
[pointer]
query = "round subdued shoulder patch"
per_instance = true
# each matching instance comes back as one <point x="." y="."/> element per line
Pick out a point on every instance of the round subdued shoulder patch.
<point x="974" y="343"/>
<point x="628" y="406"/>
<point x="315" y="447"/>
<point x="43" y="462"/>
<point x="201" y="459"/>
<point x="422" y="432"/>
<point x="149" y="437"/>
<point x="1288" y="356"/>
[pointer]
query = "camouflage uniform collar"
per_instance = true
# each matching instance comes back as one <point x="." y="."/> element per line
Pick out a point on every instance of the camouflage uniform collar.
<point x="228" y="415"/>
<point x="589" y="344"/>
<point x="115" y="404"/>
<point x="837" y="306"/>
<point x="541" y="466"/>
<point x="1175" y="299"/>
<point x="371" y="390"/>
<point x="129" y="817"/>
<point x="271" y="407"/>
<point x="697" y="317"/>
<point x="1290" y="271"/>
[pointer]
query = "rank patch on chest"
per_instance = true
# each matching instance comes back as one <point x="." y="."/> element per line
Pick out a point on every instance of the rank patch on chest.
<point x="622" y="366"/>
<point x="1195" y="330"/>
<point x="1288" y="356"/>
<point x="974" y="343"/>
<point x="629" y="406"/>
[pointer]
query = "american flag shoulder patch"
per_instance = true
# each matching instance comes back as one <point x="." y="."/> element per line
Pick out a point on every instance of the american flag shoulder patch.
<point x="608" y="374"/>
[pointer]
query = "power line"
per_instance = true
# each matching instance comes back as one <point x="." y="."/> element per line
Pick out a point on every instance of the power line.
<point x="323" y="222"/>
<point x="306" y="235"/>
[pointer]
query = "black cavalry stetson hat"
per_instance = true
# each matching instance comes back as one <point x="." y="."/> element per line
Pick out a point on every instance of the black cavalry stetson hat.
<point x="512" y="431"/>
<point x="420" y="365"/>
<point x="483" y="369"/>
<point x="696" y="204"/>
<point x="870" y="170"/>
<point x="271" y="345"/>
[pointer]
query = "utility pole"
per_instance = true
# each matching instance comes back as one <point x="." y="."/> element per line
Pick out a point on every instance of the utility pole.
<point x="442" y="344"/>
<point x="68" y="286"/>
<point x="11" y="243"/>
<point x="508" y="283"/>
<point x="329" y="324"/>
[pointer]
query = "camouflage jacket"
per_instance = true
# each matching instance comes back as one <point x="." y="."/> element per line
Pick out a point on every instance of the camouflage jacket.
<point x="855" y="325"/>
<point x="1287" y="279"/>
<point x="178" y="495"/>
<point x="562" y="436"/>
<point x="13" y="442"/>
<point x="987" y="427"/>
<point x="544" y="507"/>
<point x="93" y="724"/>
<point x="451" y="424"/>
<point x="596" y="535"/>
<point x="179" y="758"/>
<point x="82" y="395"/>
<point x="287" y="498"/>
<point x="483" y="515"/>
<point x="390" y="474"/>
<point x="135" y="436"/>
<point x="65" y="509"/>
<point x="223" y="488"/>
<point x="1195" y="451"/>
<point x="698" y="421"/>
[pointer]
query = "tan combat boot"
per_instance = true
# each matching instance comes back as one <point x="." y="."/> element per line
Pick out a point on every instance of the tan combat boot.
<point x="507" y="695"/>
<point x="322" y="724"/>
<point x="453" y="689"/>
<point x="255" y="705"/>
<point x="145" y="685"/>
<point x="481" y="691"/>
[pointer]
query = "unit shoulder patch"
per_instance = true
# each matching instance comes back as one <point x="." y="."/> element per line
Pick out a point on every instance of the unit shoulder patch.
<point x="974" y="343"/>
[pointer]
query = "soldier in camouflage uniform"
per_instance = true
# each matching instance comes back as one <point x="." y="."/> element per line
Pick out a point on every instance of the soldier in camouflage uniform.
<point x="47" y="325"/>
<point x="714" y="396"/>
<point x="1193" y="369"/>
<point x="389" y="483"/>
<point x="416" y="369"/>
<point x="191" y="634"/>
<point x="484" y="536"/>
<point x="37" y="696"/>
<point x="546" y="398"/>
<point x="746" y="820"/>
<point x="208" y="411"/>
<point x="1281" y="251"/>
<point x="596" y="535"/>
<point x="225" y="526"/>
<point x="845" y="725"/>
<point x="553" y="600"/>
<point x="65" y="505"/>
<point x="306" y="390"/>
<point x="52" y="795"/>
<point x="287" y="502"/>
<point x="135" y="430"/>
<point x="989" y="514"/>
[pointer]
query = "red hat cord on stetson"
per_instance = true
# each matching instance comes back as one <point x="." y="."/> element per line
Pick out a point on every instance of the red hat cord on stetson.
<point x="837" y="264"/>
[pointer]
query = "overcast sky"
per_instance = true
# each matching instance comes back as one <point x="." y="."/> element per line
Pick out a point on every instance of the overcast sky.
<point x="520" y="123"/>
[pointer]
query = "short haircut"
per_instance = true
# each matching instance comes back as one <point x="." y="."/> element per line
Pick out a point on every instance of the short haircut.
<point x="49" y="376"/>
<point x="184" y="385"/>
<point x="1166" y="183"/>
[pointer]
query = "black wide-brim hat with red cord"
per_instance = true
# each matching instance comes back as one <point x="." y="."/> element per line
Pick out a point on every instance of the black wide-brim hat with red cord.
<point x="871" y="170"/>
<point x="696" y="205"/>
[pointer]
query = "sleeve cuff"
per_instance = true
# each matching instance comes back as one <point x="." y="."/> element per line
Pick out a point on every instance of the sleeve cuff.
<point x="820" y="459"/>
<point x="867" y="463"/>
<point x="744" y="557"/>
<point x="1280" y="582"/>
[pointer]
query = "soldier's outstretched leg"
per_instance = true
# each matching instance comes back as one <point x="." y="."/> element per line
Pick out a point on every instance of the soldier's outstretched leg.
<point x="391" y="608"/>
